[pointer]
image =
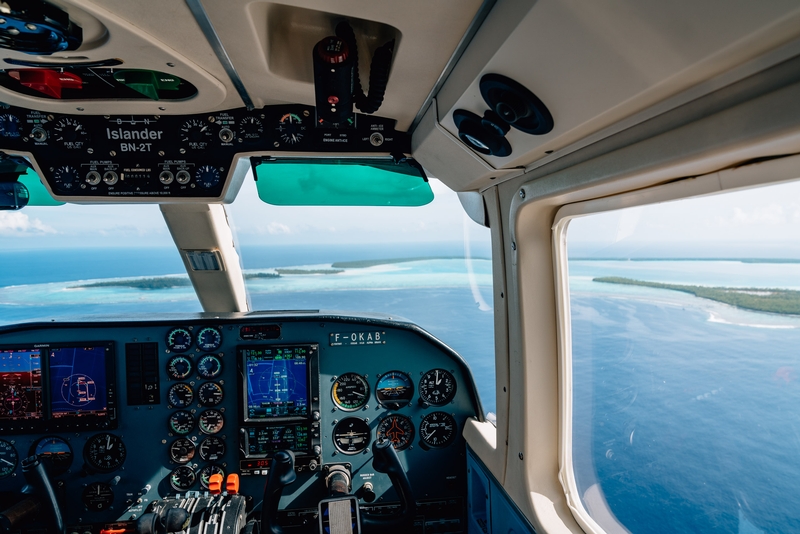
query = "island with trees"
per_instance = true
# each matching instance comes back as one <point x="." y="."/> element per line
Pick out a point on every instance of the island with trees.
<point x="783" y="301"/>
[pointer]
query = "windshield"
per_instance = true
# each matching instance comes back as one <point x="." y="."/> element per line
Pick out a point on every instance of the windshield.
<point x="429" y="264"/>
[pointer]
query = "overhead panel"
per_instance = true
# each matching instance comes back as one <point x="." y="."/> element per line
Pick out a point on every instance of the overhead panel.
<point x="595" y="64"/>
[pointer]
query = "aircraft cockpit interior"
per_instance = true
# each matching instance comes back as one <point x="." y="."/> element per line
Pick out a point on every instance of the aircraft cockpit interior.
<point x="375" y="267"/>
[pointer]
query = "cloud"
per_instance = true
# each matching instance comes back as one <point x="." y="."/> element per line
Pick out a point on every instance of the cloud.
<point x="276" y="228"/>
<point x="16" y="222"/>
<point x="770" y="214"/>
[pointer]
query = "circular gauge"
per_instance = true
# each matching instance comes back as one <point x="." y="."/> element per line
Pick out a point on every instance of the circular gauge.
<point x="212" y="449"/>
<point x="210" y="394"/>
<point x="182" y="478"/>
<point x="55" y="453"/>
<point x="291" y="129"/>
<point x="438" y="429"/>
<point x="66" y="178"/>
<point x="437" y="387"/>
<point x="196" y="134"/>
<point x="181" y="422"/>
<point x="8" y="458"/>
<point x="351" y="435"/>
<point x="14" y="401"/>
<point x="104" y="452"/>
<point x="394" y="390"/>
<point x="350" y="392"/>
<point x="398" y="429"/>
<point x="181" y="451"/>
<point x="70" y="133"/>
<point x="207" y="177"/>
<point x="209" y="366"/>
<point x="180" y="395"/>
<point x="211" y="421"/>
<point x="209" y="338"/>
<point x="250" y="129"/>
<point x="207" y="471"/>
<point x="179" y="340"/>
<point x="10" y="127"/>
<point x="97" y="496"/>
<point x="179" y="367"/>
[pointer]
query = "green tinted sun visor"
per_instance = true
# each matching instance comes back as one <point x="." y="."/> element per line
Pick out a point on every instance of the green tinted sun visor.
<point x="384" y="181"/>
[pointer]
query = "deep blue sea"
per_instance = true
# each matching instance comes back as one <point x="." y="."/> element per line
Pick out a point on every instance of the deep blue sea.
<point x="686" y="411"/>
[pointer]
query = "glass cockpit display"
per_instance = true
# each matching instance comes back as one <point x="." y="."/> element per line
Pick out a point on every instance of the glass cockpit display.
<point x="20" y="384"/>
<point x="277" y="381"/>
<point x="78" y="381"/>
<point x="55" y="386"/>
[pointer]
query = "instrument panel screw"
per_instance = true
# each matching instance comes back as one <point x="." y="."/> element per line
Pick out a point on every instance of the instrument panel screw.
<point x="90" y="150"/>
<point x="161" y="153"/>
<point x="211" y="119"/>
<point x="520" y="456"/>
<point x="306" y="113"/>
<point x="521" y="193"/>
<point x="276" y="144"/>
<point x="113" y="153"/>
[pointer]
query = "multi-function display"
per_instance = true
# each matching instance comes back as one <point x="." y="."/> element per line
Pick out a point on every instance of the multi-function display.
<point x="276" y="381"/>
<point x="57" y="386"/>
<point x="20" y="384"/>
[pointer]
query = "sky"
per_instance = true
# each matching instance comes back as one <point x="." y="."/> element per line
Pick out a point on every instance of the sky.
<point x="760" y="222"/>
<point x="253" y="221"/>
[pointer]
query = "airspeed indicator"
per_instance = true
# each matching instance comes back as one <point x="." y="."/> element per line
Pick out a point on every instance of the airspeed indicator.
<point x="350" y="392"/>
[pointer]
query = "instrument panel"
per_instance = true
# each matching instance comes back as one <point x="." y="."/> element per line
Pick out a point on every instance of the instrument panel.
<point x="172" y="402"/>
<point x="147" y="158"/>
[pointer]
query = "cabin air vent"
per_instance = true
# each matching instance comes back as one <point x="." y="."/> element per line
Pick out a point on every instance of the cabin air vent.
<point x="511" y="105"/>
<point x="204" y="260"/>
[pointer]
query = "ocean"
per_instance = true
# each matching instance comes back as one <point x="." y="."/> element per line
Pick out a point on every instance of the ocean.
<point x="685" y="410"/>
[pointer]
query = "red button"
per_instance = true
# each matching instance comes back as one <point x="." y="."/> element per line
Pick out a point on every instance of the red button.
<point x="47" y="81"/>
<point x="333" y="100"/>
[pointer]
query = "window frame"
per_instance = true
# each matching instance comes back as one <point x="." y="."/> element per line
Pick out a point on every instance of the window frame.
<point x="750" y="176"/>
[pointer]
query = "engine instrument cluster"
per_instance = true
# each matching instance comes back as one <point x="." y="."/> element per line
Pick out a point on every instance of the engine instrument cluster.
<point x="123" y="414"/>
<point x="192" y="156"/>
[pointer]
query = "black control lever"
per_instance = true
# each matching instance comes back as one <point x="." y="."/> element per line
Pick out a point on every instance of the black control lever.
<point x="385" y="460"/>
<point x="36" y="476"/>
<point x="281" y="474"/>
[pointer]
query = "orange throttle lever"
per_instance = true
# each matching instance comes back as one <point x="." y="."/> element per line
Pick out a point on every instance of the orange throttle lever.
<point x="215" y="484"/>
<point x="232" y="484"/>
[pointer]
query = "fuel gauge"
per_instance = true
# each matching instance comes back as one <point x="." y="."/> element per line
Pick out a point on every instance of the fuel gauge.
<point x="250" y="129"/>
<point x="10" y="127"/>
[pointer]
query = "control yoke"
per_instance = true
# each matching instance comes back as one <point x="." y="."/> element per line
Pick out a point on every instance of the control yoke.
<point x="385" y="460"/>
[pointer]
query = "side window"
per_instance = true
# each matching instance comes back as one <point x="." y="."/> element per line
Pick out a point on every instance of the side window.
<point x="685" y="320"/>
